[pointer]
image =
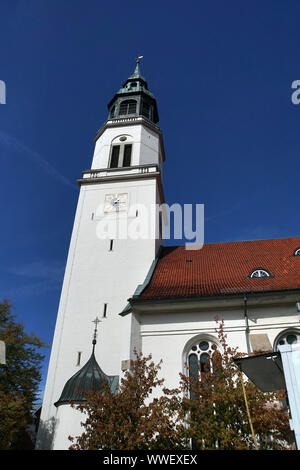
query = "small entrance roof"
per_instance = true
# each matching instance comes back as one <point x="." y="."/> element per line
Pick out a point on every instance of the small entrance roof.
<point x="264" y="370"/>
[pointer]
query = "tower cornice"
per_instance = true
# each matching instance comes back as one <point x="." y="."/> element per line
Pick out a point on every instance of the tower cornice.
<point x="125" y="174"/>
<point x="132" y="121"/>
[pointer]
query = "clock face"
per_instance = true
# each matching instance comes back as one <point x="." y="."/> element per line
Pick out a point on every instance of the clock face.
<point x="116" y="202"/>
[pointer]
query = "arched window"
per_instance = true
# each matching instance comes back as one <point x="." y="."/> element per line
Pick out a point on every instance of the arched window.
<point x="259" y="273"/>
<point x="290" y="336"/>
<point x="297" y="252"/>
<point x="112" y="112"/>
<point x="199" y="356"/>
<point x="127" y="107"/>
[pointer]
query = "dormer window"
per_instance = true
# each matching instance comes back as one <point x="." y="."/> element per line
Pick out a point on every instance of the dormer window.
<point x="259" y="273"/>
<point x="127" y="107"/>
<point x="297" y="252"/>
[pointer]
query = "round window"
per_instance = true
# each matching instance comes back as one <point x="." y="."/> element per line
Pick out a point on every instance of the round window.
<point x="287" y="337"/>
<point x="204" y="345"/>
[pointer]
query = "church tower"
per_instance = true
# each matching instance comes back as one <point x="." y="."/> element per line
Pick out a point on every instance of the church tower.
<point x="115" y="239"/>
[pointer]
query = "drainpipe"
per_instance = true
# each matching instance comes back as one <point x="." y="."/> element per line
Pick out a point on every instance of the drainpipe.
<point x="247" y="330"/>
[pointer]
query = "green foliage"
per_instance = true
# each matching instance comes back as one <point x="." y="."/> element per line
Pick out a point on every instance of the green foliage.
<point x="19" y="378"/>
<point x="217" y="414"/>
<point x="132" y="419"/>
<point x="209" y="411"/>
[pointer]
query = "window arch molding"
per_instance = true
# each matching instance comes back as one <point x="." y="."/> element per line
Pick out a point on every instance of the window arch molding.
<point x="297" y="252"/>
<point x="196" y="340"/>
<point x="116" y="140"/>
<point x="287" y="336"/>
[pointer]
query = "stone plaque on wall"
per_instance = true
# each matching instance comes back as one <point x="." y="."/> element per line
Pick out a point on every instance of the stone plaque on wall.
<point x="260" y="342"/>
<point x="126" y="364"/>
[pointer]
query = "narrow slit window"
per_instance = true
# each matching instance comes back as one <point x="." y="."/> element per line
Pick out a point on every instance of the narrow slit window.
<point x="104" y="310"/>
<point x="114" y="162"/>
<point x="160" y="224"/>
<point x="78" y="358"/>
<point x="127" y="155"/>
<point x="111" y="244"/>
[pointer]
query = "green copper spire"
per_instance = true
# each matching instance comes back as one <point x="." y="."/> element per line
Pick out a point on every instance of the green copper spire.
<point x="89" y="377"/>
<point x="137" y="72"/>
<point x="136" y="82"/>
<point x="134" y="99"/>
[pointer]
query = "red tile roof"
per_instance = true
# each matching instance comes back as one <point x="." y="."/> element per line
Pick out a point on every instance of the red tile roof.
<point x="223" y="268"/>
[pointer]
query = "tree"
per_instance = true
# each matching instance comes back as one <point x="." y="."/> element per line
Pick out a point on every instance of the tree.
<point x="19" y="379"/>
<point x="131" y="419"/>
<point x="208" y="410"/>
<point x="216" y="412"/>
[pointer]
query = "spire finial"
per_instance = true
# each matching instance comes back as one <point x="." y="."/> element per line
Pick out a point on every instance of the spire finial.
<point x="137" y="72"/>
<point x="96" y="321"/>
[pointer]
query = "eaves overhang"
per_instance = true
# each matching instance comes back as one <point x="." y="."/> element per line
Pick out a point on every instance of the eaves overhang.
<point x="211" y="302"/>
<point x="140" y="288"/>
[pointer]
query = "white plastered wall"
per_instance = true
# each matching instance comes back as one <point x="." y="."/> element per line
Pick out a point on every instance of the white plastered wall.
<point x="146" y="145"/>
<point x="167" y="335"/>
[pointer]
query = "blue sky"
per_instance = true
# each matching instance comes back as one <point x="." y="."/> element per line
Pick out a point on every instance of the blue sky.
<point x="221" y="73"/>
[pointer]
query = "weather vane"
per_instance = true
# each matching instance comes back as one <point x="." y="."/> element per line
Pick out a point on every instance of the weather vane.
<point x="139" y="57"/>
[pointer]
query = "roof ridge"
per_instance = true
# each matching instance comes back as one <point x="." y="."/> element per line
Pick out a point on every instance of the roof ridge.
<point x="237" y="241"/>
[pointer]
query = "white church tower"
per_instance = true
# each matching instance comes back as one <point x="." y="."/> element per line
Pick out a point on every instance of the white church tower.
<point x="115" y="239"/>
